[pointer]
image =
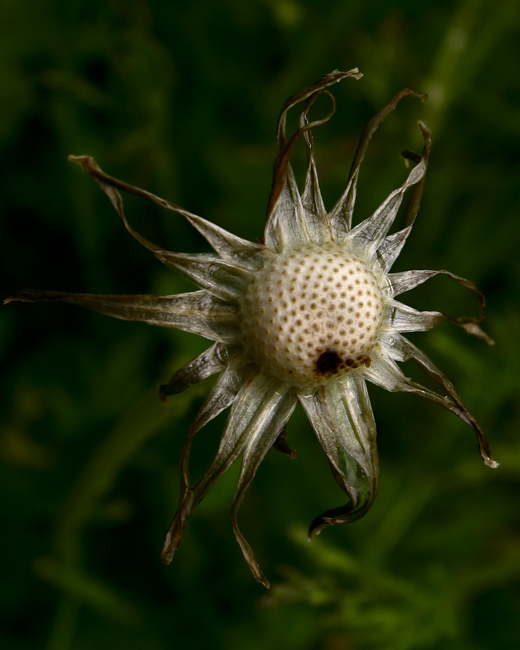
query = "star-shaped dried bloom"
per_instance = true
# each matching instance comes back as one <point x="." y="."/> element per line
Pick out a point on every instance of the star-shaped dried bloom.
<point x="308" y="315"/>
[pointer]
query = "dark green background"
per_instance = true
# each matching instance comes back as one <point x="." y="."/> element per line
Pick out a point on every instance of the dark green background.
<point x="182" y="98"/>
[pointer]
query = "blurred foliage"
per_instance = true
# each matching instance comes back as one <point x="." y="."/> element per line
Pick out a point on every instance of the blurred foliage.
<point x="182" y="99"/>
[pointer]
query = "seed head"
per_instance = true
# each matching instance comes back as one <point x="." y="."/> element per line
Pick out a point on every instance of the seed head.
<point x="310" y="314"/>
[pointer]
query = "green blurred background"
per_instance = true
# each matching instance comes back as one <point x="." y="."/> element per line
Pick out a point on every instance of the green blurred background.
<point x="182" y="98"/>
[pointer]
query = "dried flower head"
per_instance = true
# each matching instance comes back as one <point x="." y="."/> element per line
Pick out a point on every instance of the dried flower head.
<point x="308" y="315"/>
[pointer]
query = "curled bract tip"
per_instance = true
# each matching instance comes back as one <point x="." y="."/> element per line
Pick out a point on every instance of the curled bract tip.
<point x="81" y="160"/>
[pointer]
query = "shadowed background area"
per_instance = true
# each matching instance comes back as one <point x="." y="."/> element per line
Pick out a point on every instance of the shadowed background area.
<point x="182" y="99"/>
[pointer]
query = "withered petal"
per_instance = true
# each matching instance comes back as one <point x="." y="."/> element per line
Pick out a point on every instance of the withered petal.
<point x="197" y="312"/>
<point x="287" y="227"/>
<point x="227" y="245"/>
<point x="263" y="404"/>
<point x="368" y="235"/>
<point x="342" y="418"/>
<point x="404" y="318"/>
<point x="384" y="372"/>
<point x="211" y="361"/>
<point x="408" y="280"/>
<point x="390" y="248"/>
<point x="222" y="279"/>
<point x="258" y="445"/>
<point x="341" y="214"/>
<point x="238" y="373"/>
<point x="285" y="148"/>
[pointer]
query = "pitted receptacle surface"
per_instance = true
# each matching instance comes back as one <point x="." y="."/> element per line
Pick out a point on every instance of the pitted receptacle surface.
<point x="311" y="313"/>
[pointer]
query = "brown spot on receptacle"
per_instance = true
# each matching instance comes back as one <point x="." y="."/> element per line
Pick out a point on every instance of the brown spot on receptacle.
<point x="328" y="362"/>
